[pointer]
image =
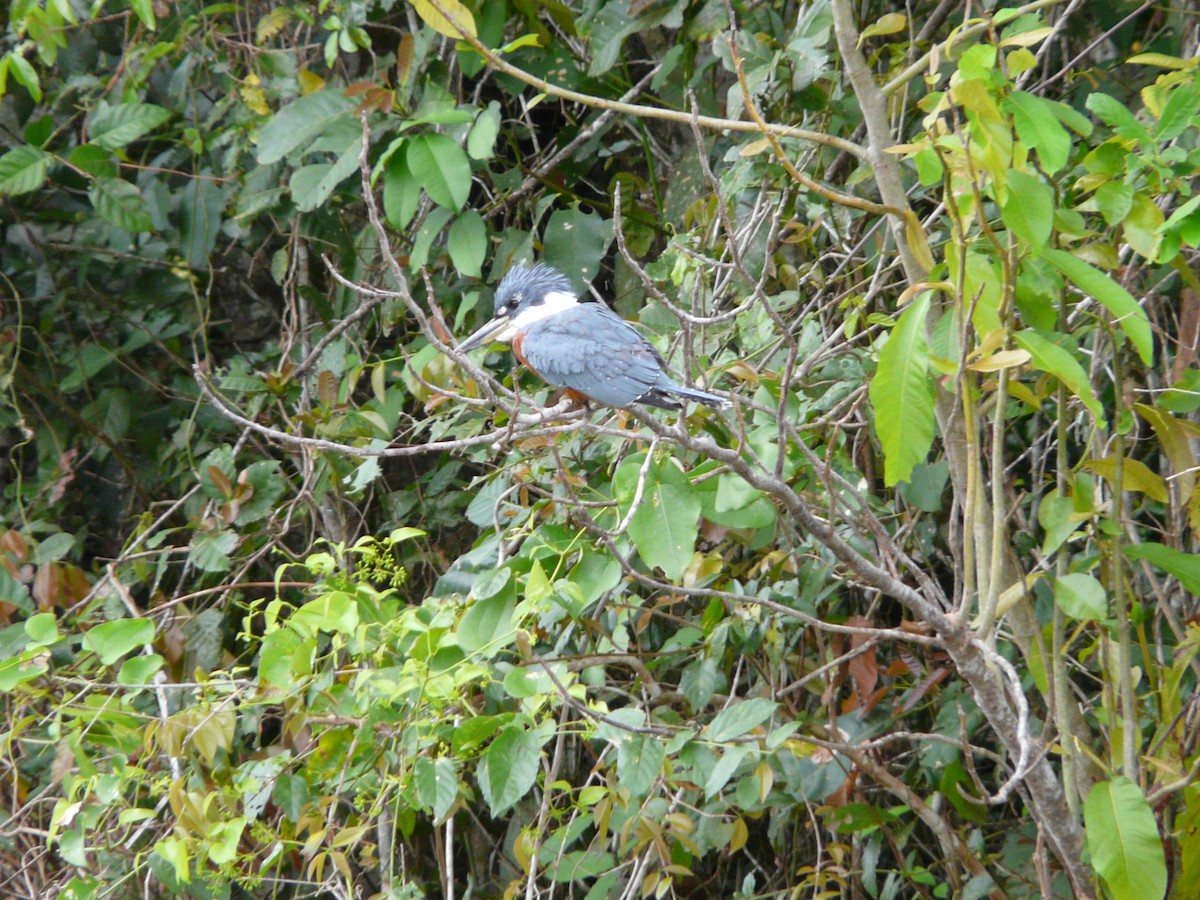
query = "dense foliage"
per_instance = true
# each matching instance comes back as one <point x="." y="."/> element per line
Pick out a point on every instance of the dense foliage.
<point x="296" y="600"/>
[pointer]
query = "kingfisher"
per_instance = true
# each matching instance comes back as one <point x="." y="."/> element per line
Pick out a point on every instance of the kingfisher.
<point x="583" y="347"/>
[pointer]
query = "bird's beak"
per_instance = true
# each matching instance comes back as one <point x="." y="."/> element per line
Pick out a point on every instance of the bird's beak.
<point x="484" y="334"/>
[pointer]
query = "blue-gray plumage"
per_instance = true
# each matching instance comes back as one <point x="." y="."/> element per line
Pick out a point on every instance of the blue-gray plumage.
<point x="585" y="348"/>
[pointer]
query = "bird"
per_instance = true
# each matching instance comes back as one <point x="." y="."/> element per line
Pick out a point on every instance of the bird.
<point x="580" y="346"/>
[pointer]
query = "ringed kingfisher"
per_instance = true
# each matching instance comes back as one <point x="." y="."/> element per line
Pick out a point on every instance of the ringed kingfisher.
<point x="583" y="347"/>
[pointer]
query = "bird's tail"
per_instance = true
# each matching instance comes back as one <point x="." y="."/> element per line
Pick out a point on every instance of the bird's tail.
<point x="678" y="390"/>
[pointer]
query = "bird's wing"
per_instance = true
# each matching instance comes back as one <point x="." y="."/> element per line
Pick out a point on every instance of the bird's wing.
<point x="592" y="350"/>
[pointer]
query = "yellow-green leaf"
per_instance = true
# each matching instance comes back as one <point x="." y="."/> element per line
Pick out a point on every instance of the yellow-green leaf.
<point x="888" y="24"/>
<point x="1135" y="476"/>
<point x="454" y="23"/>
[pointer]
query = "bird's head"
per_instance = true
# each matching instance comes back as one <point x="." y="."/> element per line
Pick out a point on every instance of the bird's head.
<point x="525" y="295"/>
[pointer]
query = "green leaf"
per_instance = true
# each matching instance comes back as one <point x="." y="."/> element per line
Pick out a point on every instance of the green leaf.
<point x="1179" y="112"/>
<point x="467" y="244"/>
<point x="639" y="762"/>
<point x="441" y="167"/>
<point x="200" y="210"/>
<point x="1028" y="210"/>
<point x="487" y="627"/>
<point x="509" y="768"/>
<point x="95" y="161"/>
<point x="113" y="127"/>
<point x="121" y="203"/>
<point x="720" y="774"/>
<point x="1039" y="127"/>
<point x="1116" y="116"/>
<point x="1054" y="515"/>
<point x="138" y="670"/>
<point x="437" y="785"/>
<point x="25" y="74"/>
<point x="144" y="9"/>
<point x="1081" y="597"/>
<point x="1046" y="356"/>
<point x="42" y="628"/>
<point x="301" y="122"/>
<point x="481" y="140"/>
<point x="575" y="242"/>
<point x="276" y="654"/>
<point x="902" y="394"/>
<point x="401" y="192"/>
<point x="23" y="169"/>
<point x="1118" y="301"/>
<point x="1122" y="836"/>
<point x="667" y="521"/>
<point x="112" y="640"/>
<point x="209" y="550"/>
<point x="1184" y="566"/>
<point x="740" y="718"/>
<point x="431" y="227"/>
<point x="1114" y="199"/>
<point x="332" y="612"/>
<point x="1141" y="227"/>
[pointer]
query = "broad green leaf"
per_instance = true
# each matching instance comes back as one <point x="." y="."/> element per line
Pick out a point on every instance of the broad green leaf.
<point x="112" y="640"/>
<point x="276" y="654"/>
<point x="24" y="74"/>
<point x="209" y="550"/>
<point x="144" y="9"/>
<point x="1116" y="116"/>
<point x="23" y="667"/>
<point x="301" y="122"/>
<point x="113" y="127"/>
<point x="23" y="169"/>
<point x="95" y="161"/>
<point x="138" y="670"/>
<point x="437" y="785"/>
<point x="1028" y="210"/>
<point x="1179" y="112"/>
<point x="401" y="192"/>
<point x="1122" y="836"/>
<point x="1118" y="301"/>
<point x="467" y="244"/>
<point x="575" y="242"/>
<point x="1054" y="515"/>
<point x="431" y="227"/>
<point x="665" y="524"/>
<point x="740" y="718"/>
<point x="453" y="23"/>
<point x="639" y="762"/>
<point x="509" y="768"/>
<point x="1081" y="596"/>
<point x="333" y="611"/>
<point x="1114" y="199"/>
<point x="1184" y="566"/>
<point x="1047" y="356"/>
<point x="577" y="865"/>
<point x="487" y="627"/>
<point x="1039" y="128"/>
<point x="1141" y="227"/>
<point x="902" y="394"/>
<point x="441" y="167"/>
<point x="720" y="773"/>
<point x="121" y="203"/>
<point x="200" y="210"/>
<point x="42" y="628"/>
<point x="312" y="185"/>
<point x="481" y="140"/>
